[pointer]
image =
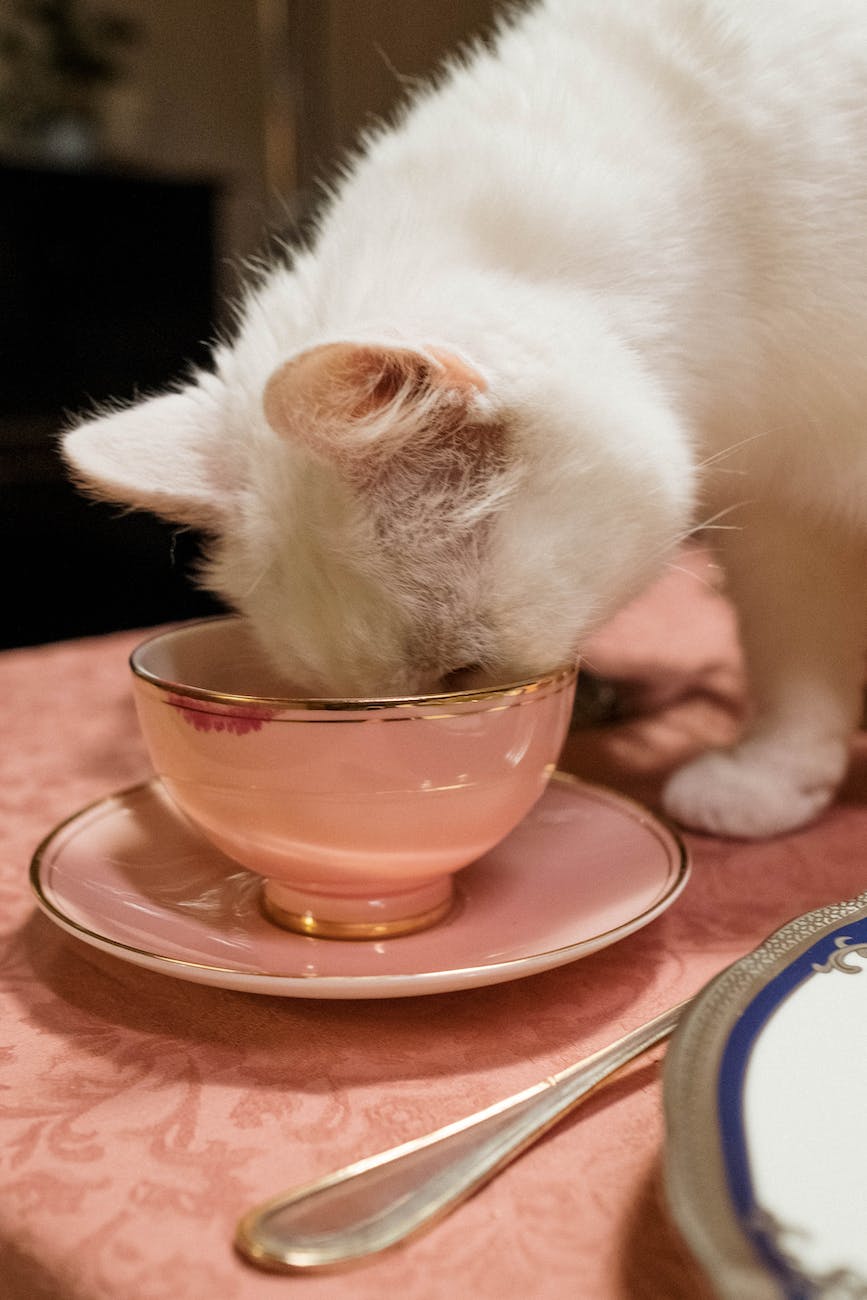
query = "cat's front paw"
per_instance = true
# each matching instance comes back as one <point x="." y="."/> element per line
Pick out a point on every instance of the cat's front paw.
<point x="754" y="790"/>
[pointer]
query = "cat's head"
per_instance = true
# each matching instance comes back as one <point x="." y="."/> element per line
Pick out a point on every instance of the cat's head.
<point x="384" y="517"/>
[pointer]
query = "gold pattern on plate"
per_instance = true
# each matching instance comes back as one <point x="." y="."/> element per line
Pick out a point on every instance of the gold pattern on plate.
<point x="695" y="1169"/>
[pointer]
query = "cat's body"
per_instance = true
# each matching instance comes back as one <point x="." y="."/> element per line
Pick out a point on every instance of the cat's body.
<point x="604" y="282"/>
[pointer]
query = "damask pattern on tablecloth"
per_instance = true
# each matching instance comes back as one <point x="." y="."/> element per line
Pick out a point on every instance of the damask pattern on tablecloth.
<point x="140" y="1116"/>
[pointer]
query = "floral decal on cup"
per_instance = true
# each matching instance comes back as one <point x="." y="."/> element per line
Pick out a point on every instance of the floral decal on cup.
<point x="239" y="719"/>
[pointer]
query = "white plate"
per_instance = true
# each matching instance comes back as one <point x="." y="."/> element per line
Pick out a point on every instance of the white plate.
<point x="765" y="1099"/>
<point x="132" y="877"/>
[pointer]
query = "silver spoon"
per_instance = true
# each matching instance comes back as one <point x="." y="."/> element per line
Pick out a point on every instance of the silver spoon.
<point x="375" y="1203"/>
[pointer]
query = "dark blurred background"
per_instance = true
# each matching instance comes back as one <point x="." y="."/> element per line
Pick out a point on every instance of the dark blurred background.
<point x="147" y="147"/>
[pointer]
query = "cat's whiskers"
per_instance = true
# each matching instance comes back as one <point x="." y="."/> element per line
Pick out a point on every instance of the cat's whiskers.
<point x="712" y="524"/>
<point x="406" y="80"/>
<point x="717" y="456"/>
<point x="691" y="573"/>
<point x="260" y="576"/>
<point x="587" y="665"/>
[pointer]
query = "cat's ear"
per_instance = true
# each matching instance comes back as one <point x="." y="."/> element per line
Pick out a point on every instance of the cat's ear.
<point x="344" y="399"/>
<point x="160" y="455"/>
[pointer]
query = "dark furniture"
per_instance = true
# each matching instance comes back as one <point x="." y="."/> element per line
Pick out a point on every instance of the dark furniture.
<point x="106" y="292"/>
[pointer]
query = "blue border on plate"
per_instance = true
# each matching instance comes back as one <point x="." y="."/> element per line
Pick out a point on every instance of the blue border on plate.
<point x="730" y="1092"/>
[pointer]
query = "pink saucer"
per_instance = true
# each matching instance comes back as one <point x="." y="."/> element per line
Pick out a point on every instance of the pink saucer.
<point x="130" y="876"/>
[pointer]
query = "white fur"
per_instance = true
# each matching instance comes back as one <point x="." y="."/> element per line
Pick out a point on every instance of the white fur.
<point x="644" y="225"/>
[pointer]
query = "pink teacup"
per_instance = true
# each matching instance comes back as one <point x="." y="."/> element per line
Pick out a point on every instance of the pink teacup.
<point x="356" y="812"/>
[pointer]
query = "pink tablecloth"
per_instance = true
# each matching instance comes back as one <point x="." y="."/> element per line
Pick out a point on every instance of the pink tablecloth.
<point x="140" y="1116"/>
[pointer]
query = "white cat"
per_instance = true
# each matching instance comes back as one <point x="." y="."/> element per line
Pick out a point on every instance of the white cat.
<point x="603" y="277"/>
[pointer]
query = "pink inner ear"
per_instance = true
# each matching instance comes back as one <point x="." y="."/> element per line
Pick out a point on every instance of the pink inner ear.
<point x="337" y="384"/>
<point x="322" y="394"/>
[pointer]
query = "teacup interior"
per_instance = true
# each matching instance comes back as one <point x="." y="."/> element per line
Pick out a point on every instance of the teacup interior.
<point x="222" y="656"/>
<point x="218" y="655"/>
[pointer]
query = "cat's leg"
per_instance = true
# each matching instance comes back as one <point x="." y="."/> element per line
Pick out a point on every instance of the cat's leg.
<point x="801" y="594"/>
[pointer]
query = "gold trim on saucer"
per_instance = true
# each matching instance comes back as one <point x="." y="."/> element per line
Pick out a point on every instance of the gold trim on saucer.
<point x="322" y="928"/>
<point x="678" y="874"/>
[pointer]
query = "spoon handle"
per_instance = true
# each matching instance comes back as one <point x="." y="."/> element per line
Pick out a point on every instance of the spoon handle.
<point x="374" y="1203"/>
